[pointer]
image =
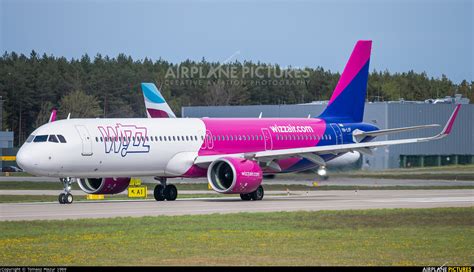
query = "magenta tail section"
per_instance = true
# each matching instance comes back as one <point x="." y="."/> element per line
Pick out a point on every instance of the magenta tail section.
<point x="347" y="101"/>
<point x="52" y="117"/>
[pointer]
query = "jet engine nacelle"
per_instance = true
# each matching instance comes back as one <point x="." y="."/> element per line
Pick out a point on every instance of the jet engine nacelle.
<point x="103" y="186"/>
<point x="344" y="160"/>
<point x="234" y="175"/>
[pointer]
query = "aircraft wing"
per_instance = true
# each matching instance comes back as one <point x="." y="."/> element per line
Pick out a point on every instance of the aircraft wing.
<point x="312" y="153"/>
<point x="359" y="135"/>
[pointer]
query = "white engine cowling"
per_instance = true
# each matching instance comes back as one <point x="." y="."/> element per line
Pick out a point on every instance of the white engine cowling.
<point x="344" y="160"/>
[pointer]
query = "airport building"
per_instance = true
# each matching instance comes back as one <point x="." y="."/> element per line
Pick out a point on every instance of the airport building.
<point x="7" y="152"/>
<point x="457" y="148"/>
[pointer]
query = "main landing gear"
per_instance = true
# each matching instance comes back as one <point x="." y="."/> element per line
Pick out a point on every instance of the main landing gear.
<point x="163" y="191"/>
<point x="66" y="197"/>
<point x="256" y="195"/>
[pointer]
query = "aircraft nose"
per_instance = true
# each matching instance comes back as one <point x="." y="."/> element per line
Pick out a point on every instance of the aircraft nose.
<point x="24" y="159"/>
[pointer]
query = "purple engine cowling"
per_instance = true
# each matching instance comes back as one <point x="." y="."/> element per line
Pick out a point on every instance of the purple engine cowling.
<point x="234" y="175"/>
<point x="104" y="186"/>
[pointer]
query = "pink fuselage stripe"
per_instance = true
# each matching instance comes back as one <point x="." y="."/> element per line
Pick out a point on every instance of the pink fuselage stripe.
<point x="358" y="59"/>
<point x="301" y="131"/>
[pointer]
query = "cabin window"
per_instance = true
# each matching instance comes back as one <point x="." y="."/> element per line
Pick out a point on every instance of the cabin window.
<point x="40" y="138"/>
<point x="53" y="139"/>
<point x="61" y="138"/>
<point x="30" y="138"/>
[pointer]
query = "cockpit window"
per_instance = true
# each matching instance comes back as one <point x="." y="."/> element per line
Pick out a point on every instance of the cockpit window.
<point x="40" y="138"/>
<point x="30" y="138"/>
<point x="53" y="138"/>
<point x="61" y="138"/>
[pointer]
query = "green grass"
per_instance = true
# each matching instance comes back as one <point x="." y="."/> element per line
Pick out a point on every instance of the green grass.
<point x="426" y="237"/>
<point x="410" y="175"/>
<point x="16" y="174"/>
<point x="451" y="172"/>
<point x="34" y="185"/>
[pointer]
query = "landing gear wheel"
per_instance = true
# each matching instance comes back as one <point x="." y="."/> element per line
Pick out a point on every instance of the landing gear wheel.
<point x="158" y="193"/>
<point x="258" y="194"/>
<point x="170" y="192"/>
<point x="61" y="198"/>
<point x="68" y="199"/>
<point x="245" y="197"/>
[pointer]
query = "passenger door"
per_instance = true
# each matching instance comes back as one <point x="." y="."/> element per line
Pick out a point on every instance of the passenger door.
<point x="86" y="140"/>
<point x="267" y="138"/>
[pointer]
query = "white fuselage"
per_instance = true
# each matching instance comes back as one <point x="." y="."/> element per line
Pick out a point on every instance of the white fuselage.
<point x="101" y="147"/>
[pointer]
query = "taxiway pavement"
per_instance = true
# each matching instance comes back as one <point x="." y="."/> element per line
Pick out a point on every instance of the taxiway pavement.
<point x="309" y="201"/>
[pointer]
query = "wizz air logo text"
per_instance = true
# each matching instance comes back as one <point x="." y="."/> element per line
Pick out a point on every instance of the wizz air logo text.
<point x="124" y="139"/>
<point x="290" y="129"/>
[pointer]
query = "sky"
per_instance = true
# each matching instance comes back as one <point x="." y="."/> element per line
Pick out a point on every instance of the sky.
<point x="435" y="36"/>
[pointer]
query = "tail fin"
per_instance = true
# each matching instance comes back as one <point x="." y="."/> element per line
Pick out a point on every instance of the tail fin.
<point x="348" y="99"/>
<point x="52" y="117"/>
<point x="156" y="106"/>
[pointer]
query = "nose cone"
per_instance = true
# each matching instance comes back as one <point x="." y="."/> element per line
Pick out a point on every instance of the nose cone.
<point x="24" y="159"/>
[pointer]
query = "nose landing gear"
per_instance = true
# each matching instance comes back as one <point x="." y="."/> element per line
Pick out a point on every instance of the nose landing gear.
<point x="66" y="197"/>
<point x="163" y="191"/>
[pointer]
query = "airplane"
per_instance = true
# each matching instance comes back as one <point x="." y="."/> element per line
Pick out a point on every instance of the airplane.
<point x="232" y="153"/>
<point x="157" y="107"/>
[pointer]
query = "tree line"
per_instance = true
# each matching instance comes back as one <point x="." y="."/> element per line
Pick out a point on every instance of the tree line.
<point x="32" y="85"/>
